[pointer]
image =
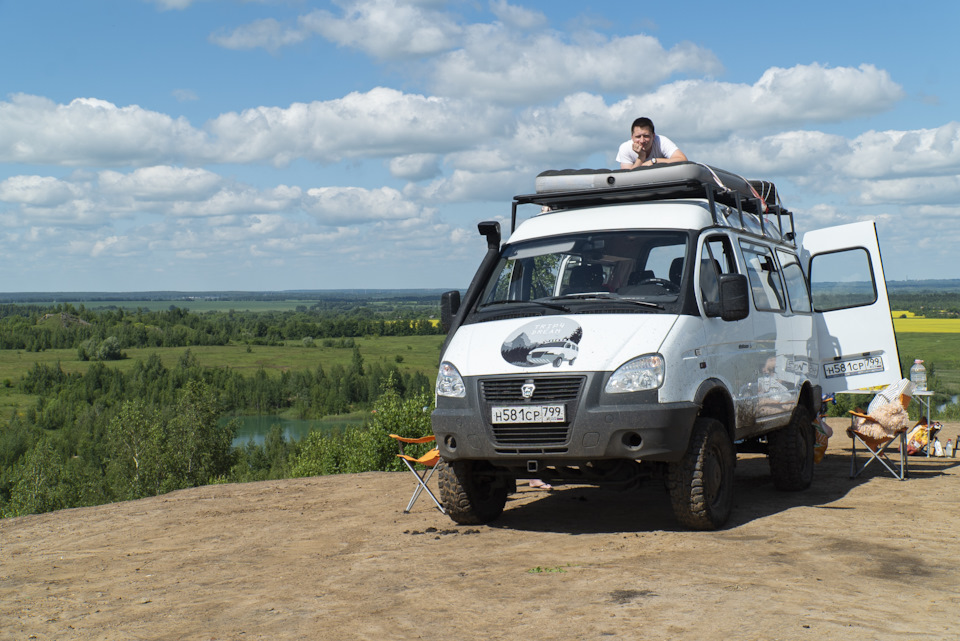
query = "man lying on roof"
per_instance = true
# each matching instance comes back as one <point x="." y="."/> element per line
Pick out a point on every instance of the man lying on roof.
<point x="646" y="148"/>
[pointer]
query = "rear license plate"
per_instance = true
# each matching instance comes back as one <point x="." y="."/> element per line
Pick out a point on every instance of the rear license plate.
<point x="853" y="367"/>
<point x="529" y="414"/>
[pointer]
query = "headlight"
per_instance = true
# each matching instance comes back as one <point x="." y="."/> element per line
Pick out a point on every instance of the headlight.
<point x="638" y="374"/>
<point x="449" y="382"/>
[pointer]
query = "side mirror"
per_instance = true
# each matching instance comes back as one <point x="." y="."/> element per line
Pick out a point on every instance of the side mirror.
<point x="734" y="297"/>
<point x="449" y="306"/>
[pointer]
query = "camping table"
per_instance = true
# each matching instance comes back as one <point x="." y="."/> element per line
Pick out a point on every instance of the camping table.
<point x="925" y="398"/>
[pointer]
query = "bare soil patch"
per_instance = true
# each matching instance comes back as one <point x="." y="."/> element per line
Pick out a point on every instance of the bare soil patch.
<point x="335" y="558"/>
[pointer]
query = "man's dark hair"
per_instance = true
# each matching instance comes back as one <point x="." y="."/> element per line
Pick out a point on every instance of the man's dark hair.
<point x="642" y="122"/>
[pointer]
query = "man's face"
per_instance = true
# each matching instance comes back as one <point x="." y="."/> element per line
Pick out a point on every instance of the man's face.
<point x="642" y="137"/>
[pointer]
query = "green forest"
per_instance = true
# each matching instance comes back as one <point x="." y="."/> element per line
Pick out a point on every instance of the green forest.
<point x="928" y="304"/>
<point x="119" y="428"/>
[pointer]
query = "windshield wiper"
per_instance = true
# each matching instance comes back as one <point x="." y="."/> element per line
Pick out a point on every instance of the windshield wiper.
<point x="608" y="298"/>
<point x="562" y="308"/>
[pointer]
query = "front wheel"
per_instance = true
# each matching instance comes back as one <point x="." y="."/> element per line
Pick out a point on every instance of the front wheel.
<point x="791" y="452"/>
<point x="701" y="484"/>
<point x="470" y="492"/>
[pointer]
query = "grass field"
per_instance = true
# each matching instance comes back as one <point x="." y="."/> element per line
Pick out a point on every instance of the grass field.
<point x="416" y="354"/>
<point x="419" y="353"/>
<point x="940" y="353"/>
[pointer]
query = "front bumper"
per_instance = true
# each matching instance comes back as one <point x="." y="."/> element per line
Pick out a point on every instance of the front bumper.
<point x="599" y="426"/>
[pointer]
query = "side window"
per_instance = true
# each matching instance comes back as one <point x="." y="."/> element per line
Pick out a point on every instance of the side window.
<point x="843" y="279"/>
<point x="764" y="277"/>
<point x="716" y="258"/>
<point x="795" y="282"/>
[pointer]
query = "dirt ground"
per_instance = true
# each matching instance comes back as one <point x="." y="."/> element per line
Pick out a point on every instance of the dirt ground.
<point x="335" y="558"/>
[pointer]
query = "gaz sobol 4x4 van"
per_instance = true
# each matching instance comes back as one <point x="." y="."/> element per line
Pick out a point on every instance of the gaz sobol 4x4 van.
<point x="650" y="324"/>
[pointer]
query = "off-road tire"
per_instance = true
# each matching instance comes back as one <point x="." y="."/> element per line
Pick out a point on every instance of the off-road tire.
<point x="470" y="493"/>
<point x="701" y="484"/>
<point x="790" y="452"/>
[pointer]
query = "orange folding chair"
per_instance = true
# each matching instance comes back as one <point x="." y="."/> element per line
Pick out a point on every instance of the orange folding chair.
<point x="865" y="429"/>
<point x="428" y="461"/>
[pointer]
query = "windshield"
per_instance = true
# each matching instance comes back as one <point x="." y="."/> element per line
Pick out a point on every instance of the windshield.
<point x="635" y="267"/>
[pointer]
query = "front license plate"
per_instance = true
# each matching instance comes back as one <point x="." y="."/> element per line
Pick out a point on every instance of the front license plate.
<point x="853" y="367"/>
<point x="529" y="414"/>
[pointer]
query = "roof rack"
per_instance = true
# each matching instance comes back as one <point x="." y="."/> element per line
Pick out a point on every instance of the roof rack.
<point x="752" y="200"/>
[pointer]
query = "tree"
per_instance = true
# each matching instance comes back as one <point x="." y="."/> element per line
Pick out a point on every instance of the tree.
<point x="40" y="485"/>
<point x="136" y="444"/>
<point x="109" y="349"/>
<point x="197" y="449"/>
<point x="368" y="448"/>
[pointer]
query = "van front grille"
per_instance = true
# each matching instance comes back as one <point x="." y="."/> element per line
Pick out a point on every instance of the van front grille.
<point x="547" y="389"/>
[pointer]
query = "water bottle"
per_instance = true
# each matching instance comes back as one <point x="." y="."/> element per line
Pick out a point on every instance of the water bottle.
<point x="948" y="451"/>
<point x="918" y="375"/>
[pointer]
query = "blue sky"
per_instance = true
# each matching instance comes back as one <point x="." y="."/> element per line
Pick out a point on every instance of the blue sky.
<point x="226" y="144"/>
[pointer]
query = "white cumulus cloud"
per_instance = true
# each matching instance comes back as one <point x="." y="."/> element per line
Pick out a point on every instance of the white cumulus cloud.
<point x="162" y="183"/>
<point x="386" y="29"/>
<point x="379" y="123"/>
<point x="354" y="205"/>
<point x="498" y="64"/>
<point x="415" y="166"/>
<point x="706" y="109"/>
<point x="44" y="191"/>
<point x="89" y="131"/>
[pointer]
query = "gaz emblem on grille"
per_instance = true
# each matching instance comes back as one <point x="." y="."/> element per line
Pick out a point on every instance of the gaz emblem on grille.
<point x="527" y="389"/>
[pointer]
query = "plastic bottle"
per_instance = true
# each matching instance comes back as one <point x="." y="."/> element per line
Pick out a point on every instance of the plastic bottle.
<point x="948" y="451"/>
<point x="918" y="375"/>
<point x="937" y="448"/>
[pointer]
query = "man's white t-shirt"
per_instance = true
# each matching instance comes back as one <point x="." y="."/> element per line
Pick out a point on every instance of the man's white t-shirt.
<point x="663" y="147"/>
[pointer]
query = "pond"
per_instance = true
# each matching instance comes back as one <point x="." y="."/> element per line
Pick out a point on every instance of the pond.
<point x="953" y="401"/>
<point x="255" y="428"/>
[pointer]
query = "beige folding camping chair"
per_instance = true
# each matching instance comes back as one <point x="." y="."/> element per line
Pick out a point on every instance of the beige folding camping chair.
<point x="428" y="462"/>
<point x="865" y="429"/>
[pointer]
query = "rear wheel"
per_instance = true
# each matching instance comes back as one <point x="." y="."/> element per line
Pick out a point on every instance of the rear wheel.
<point x="791" y="452"/>
<point x="470" y="492"/>
<point x="701" y="484"/>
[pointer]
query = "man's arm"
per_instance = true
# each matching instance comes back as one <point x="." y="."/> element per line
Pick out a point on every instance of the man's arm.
<point x="677" y="156"/>
<point x="623" y="152"/>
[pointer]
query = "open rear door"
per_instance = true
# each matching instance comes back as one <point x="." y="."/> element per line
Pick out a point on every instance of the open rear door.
<point x="856" y="344"/>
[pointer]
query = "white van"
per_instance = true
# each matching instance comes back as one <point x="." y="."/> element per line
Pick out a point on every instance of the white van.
<point x="650" y="324"/>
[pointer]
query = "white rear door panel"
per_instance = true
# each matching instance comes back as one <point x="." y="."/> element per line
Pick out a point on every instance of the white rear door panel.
<point x="857" y="347"/>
